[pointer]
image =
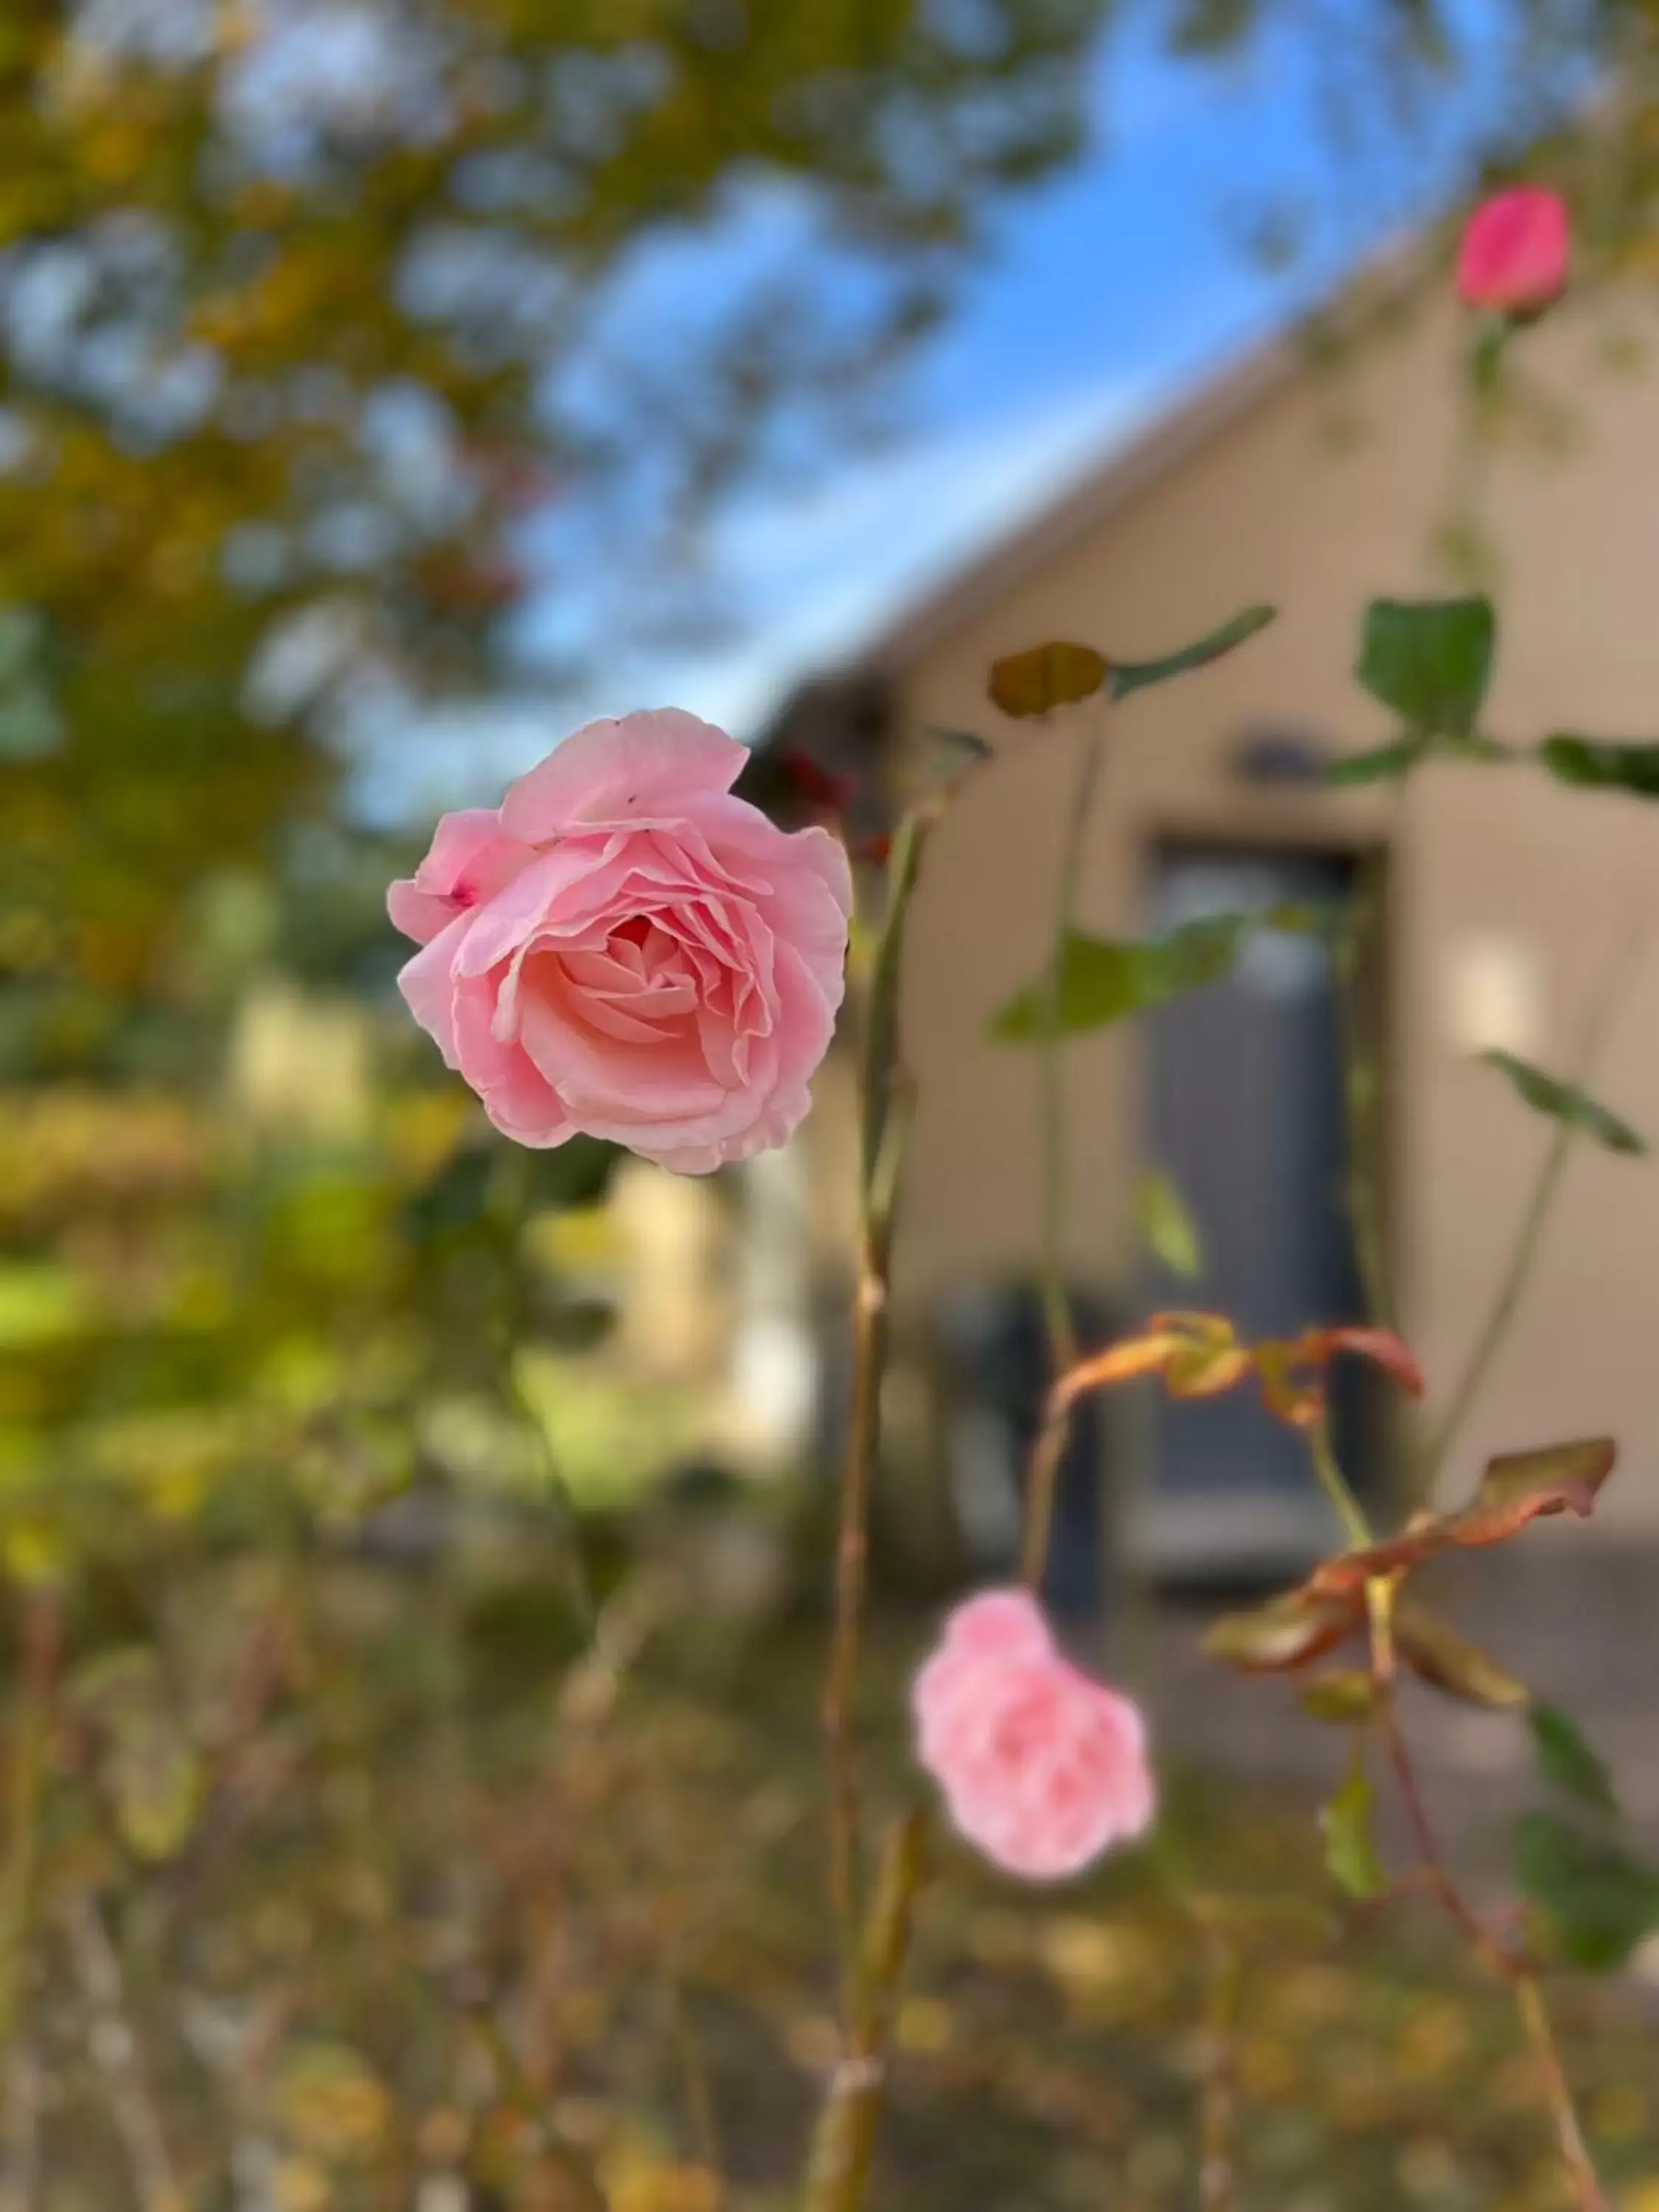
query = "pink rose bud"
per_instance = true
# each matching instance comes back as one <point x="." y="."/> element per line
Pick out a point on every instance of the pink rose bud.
<point x="1041" y="1767"/>
<point x="1513" y="259"/>
<point x="625" y="948"/>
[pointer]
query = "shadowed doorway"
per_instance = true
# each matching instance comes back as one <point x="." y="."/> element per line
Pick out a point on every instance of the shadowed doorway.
<point x="1245" y="1112"/>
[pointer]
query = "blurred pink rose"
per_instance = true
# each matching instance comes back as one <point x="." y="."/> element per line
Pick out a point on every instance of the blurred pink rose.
<point x="1041" y="1767"/>
<point x="1513" y="259"/>
<point x="625" y="949"/>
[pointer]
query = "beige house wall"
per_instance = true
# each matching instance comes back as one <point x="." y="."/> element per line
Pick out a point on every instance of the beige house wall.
<point x="1316" y="489"/>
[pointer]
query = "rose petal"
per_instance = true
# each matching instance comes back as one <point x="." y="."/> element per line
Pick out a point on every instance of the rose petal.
<point x="664" y="972"/>
<point x="428" y="984"/>
<point x="617" y="770"/>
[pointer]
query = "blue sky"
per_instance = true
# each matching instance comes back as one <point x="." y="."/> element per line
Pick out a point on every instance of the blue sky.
<point x="1109" y="292"/>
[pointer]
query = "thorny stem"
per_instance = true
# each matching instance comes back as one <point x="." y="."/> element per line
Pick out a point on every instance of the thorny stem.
<point x="41" y="1637"/>
<point x="1504" y="1307"/>
<point x="1042" y="1468"/>
<point x="1356" y="1525"/>
<point x="1056" y="1304"/>
<point x="883" y="1120"/>
<point x="1575" y="2152"/>
<point x="844" y="2145"/>
<point x="1042" y="1477"/>
<point x="1503" y="1959"/>
<point x="1512" y="1285"/>
<point x="873" y="1944"/>
<point x="1509" y="1963"/>
<point x="1436" y="1872"/>
<point x="1456" y="548"/>
<point x="510" y="1205"/>
<point x="1054" y="1161"/>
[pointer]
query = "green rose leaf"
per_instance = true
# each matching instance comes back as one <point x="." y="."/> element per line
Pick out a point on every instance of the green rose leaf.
<point x="1108" y="979"/>
<point x="1515" y="1490"/>
<point x="1590" y="764"/>
<point x="1380" y="765"/>
<point x="1103" y="980"/>
<point x="1598" y="1900"/>
<point x="1430" y="660"/>
<point x="1438" y="1654"/>
<point x="1169" y="1230"/>
<point x="1565" y="1760"/>
<point x="1284" y="1634"/>
<point x="1130" y="675"/>
<point x="962" y="741"/>
<point x="1349" y="1847"/>
<point x="1565" y="1102"/>
<point x="1345" y="1696"/>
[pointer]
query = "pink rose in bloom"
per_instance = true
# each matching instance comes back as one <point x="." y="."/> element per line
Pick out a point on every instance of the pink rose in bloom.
<point x="623" y="948"/>
<point x="1513" y="259"/>
<point x="1041" y="1767"/>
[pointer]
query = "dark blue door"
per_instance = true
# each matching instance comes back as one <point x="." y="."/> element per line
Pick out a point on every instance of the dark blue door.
<point x="1245" y="1112"/>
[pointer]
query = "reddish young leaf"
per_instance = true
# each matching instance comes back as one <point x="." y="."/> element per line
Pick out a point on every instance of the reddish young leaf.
<point x="1190" y="1346"/>
<point x="1287" y="1633"/>
<point x="1199" y="1356"/>
<point x="1295" y="1396"/>
<point x="1299" y="1403"/>
<point x="1132" y="1356"/>
<point x="1046" y="677"/>
<point x="1380" y="1345"/>
<point x="1521" y="1486"/>
<point x="1205" y="1371"/>
<point x="1518" y="1488"/>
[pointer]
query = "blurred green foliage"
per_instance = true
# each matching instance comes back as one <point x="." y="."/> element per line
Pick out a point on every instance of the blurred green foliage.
<point x="319" y="327"/>
<point x="311" y="319"/>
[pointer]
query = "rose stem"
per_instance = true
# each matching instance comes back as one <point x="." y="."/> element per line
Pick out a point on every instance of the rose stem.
<point x="1512" y="1284"/>
<point x="1056" y="1303"/>
<point x="844" y="2140"/>
<point x="883" y="1122"/>
<point x="1360" y="932"/>
<point x="1512" y="1965"/>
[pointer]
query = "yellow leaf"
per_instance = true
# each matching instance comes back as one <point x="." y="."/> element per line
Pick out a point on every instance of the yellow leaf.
<point x="1045" y="677"/>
